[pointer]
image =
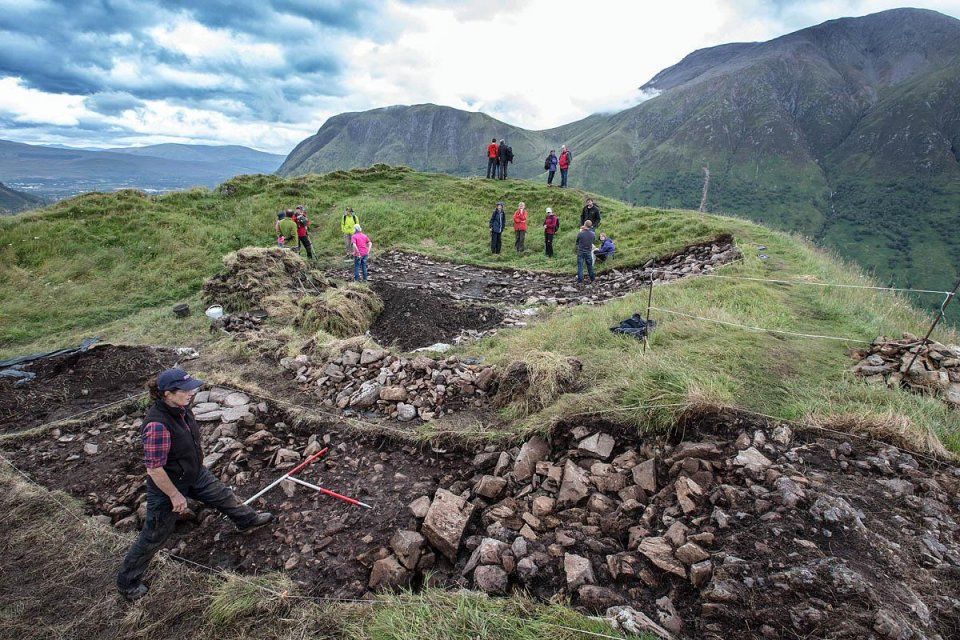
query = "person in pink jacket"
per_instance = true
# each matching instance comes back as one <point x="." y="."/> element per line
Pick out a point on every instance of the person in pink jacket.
<point x="361" y="249"/>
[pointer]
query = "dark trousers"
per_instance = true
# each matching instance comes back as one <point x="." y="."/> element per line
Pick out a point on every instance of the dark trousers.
<point x="503" y="169"/>
<point x="550" y="175"/>
<point x="161" y="521"/>
<point x="495" y="242"/>
<point x="584" y="258"/>
<point x="491" y="167"/>
<point x="305" y="243"/>
<point x="548" y="244"/>
<point x="563" y="177"/>
<point x="518" y="242"/>
<point x="601" y="257"/>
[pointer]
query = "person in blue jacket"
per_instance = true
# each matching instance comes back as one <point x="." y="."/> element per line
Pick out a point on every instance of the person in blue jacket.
<point x="497" y="222"/>
<point x="606" y="249"/>
<point x="550" y="164"/>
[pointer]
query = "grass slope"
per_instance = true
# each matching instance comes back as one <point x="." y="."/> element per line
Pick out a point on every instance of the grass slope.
<point x="111" y="263"/>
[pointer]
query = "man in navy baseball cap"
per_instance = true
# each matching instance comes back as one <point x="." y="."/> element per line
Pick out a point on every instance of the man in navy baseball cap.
<point x="177" y="379"/>
<point x="173" y="456"/>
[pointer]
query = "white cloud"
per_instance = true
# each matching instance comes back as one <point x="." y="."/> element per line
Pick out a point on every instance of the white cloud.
<point x="31" y="106"/>
<point x="533" y="63"/>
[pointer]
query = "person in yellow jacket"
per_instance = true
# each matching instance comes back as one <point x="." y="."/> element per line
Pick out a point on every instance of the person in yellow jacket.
<point x="347" y="223"/>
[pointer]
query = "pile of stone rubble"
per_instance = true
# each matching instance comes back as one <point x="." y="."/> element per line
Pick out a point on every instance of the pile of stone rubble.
<point x="697" y="539"/>
<point x="401" y="388"/>
<point x="935" y="369"/>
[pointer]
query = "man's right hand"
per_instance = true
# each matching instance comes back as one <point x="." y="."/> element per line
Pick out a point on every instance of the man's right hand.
<point x="179" y="503"/>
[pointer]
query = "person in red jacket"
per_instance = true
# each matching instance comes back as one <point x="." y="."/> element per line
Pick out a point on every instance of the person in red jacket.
<point x="303" y="229"/>
<point x="520" y="226"/>
<point x="492" y="159"/>
<point x="551" y="224"/>
<point x="564" y="163"/>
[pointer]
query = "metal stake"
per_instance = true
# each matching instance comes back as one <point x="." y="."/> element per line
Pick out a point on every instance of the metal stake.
<point x="646" y="329"/>
<point x="936" y="321"/>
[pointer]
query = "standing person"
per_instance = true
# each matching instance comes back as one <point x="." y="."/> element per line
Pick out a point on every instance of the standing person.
<point x="276" y="227"/>
<point x="550" y="165"/>
<point x="175" y="472"/>
<point x="361" y="249"/>
<point x="551" y="224"/>
<point x="347" y="223"/>
<point x="564" y="163"/>
<point x="303" y="229"/>
<point x="492" y="159"/>
<point x="520" y="226"/>
<point x="606" y="250"/>
<point x="288" y="231"/>
<point x="502" y="160"/>
<point x="498" y="221"/>
<point x="590" y="212"/>
<point x="585" y="251"/>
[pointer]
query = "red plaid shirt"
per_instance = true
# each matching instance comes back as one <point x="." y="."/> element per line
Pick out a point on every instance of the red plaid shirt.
<point x="156" y="444"/>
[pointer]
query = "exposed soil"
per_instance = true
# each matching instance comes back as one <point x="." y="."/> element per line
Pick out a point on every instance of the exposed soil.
<point x="513" y="287"/>
<point x="748" y="530"/>
<point x="324" y="544"/>
<point x="414" y="318"/>
<point x="68" y="384"/>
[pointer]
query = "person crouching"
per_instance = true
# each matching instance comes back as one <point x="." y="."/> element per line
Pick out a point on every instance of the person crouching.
<point x="175" y="472"/>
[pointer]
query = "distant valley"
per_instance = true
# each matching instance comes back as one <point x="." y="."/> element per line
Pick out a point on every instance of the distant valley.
<point x="53" y="173"/>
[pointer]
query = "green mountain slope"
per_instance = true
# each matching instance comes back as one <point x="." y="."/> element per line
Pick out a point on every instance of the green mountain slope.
<point x="846" y="132"/>
<point x="12" y="201"/>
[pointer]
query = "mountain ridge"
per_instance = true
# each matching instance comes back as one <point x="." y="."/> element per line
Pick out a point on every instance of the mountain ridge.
<point x="846" y="131"/>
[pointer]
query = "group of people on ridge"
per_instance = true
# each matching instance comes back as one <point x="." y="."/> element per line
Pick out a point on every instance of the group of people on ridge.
<point x="293" y="232"/>
<point x="586" y="252"/>
<point x="500" y="155"/>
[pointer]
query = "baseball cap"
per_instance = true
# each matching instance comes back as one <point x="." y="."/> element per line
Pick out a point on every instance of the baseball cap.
<point x="172" y="379"/>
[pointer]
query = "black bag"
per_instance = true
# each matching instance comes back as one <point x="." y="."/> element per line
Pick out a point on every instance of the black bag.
<point x="546" y="164"/>
<point x="569" y="158"/>
<point x="509" y="154"/>
<point x="634" y="326"/>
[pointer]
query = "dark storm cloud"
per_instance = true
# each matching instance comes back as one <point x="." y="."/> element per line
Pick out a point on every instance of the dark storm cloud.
<point x="112" y="102"/>
<point x="66" y="46"/>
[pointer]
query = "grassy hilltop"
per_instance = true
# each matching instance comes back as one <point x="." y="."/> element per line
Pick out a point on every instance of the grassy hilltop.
<point x="112" y="264"/>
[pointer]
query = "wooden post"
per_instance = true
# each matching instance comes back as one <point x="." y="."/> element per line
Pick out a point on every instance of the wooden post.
<point x="936" y="321"/>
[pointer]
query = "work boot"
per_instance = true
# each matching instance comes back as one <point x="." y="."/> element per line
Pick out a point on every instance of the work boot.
<point x="132" y="595"/>
<point x="261" y="519"/>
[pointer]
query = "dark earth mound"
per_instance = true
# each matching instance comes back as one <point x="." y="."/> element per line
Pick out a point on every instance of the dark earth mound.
<point x="414" y="318"/>
<point x="69" y="384"/>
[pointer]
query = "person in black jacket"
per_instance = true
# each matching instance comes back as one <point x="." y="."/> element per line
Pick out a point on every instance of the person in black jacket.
<point x="590" y="212"/>
<point x="504" y="155"/>
<point x="175" y="472"/>
<point x="497" y="222"/>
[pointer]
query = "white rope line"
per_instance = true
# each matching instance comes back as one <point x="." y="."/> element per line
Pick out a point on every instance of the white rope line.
<point x="816" y="284"/>
<point x="762" y="329"/>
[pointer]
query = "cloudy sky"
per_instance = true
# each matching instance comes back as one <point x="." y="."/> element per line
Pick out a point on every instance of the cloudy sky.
<point x="267" y="73"/>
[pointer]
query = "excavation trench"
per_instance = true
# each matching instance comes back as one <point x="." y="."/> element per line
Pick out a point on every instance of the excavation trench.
<point x="65" y="385"/>
<point x="730" y="528"/>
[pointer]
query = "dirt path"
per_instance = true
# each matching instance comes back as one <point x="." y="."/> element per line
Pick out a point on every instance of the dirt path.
<point x="514" y="287"/>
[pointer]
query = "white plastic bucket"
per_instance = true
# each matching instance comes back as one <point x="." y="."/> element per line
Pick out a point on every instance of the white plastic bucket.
<point x="214" y="312"/>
